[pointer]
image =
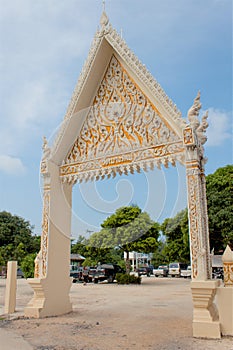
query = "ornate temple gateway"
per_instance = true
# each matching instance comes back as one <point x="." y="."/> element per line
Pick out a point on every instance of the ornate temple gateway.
<point x="119" y="121"/>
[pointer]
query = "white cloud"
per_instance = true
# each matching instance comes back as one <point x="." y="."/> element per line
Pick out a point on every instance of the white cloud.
<point x="42" y="45"/>
<point x="11" y="165"/>
<point x="220" y="127"/>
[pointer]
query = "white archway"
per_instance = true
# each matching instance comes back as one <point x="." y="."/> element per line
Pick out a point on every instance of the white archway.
<point x="120" y="120"/>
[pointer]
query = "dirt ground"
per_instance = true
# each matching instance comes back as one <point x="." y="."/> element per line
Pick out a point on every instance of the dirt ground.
<point x="156" y="315"/>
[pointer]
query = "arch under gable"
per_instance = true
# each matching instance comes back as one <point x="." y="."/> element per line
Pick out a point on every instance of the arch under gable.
<point x="120" y="120"/>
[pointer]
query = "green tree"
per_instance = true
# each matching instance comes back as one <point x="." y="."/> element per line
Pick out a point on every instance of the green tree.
<point x="15" y="230"/>
<point x="28" y="265"/>
<point x="219" y="192"/>
<point x="16" y="240"/>
<point x="80" y="246"/>
<point x="175" y="230"/>
<point x="19" y="253"/>
<point x="159" y="256"/>
<point x="128" y="229"/>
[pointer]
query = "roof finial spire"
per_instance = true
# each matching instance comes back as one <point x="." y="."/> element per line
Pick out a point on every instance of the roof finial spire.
<point x="104" y="18"/>
<point x="104" y="3"/>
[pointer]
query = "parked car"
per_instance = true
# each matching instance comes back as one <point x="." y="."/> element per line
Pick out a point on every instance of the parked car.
<point x="88" y="273"/>
<point x="3" y="271"/>
<point x="217" y="273"/>
<point x="151" y="268"/>
<point x="20" y="273"/>
<point x="175" y="269"/>
<point x="161" y="271"/>
<point x="186" y="273"/>
<point x="106" y="272"/>
<point x="144" y="270"/>
<point x="76" y="273"/>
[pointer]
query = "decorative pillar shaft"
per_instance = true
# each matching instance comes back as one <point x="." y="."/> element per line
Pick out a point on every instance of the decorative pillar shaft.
<point x="205" y="314"/>
<point x="198" y="217"/>
<point x="41" y="259"/>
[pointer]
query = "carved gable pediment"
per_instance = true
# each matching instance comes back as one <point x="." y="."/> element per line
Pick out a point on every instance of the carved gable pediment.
<point x="121" y="120"/>
<point x="121" y="126"/>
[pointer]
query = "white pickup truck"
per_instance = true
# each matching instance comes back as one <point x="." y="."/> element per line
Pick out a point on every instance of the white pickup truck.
<point x="161" y="271"/>
<point x="186" y="273"/>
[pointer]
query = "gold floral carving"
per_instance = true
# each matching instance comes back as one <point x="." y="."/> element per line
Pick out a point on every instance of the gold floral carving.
<point x="188" y="136"/>
<point x="122" y="127"/>
<point x="124" y="163"/>
<point x="193" y="223"/>
<point x="228" y="273"/>
<point x="37" y="267"/>
<point x="41" y="259"/>
<point x="45" y="230"/>
<point x="44" y="167"/>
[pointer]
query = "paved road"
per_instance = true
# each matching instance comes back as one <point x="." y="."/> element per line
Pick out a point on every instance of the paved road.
<point x="156" y="315"/>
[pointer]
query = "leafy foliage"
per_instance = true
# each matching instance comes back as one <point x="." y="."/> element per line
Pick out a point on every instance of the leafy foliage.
<point x="127" y="229"/>
<point x="176" y="245"/>
<point x="28" y="265"/>
<point x="219" y="189"/>
<point x="96" y="254"/>
<point x="125" y="278"/>
<point x="16" y="240"/>
<point x="130" y="230"/>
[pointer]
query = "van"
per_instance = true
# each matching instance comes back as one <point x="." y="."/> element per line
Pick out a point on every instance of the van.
<point x="175" y="269"/>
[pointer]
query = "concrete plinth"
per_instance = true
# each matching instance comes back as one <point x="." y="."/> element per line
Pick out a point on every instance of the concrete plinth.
<point x="205" y="314"/>
<point x="225" y="308"/>
<point x="49" y="299"/>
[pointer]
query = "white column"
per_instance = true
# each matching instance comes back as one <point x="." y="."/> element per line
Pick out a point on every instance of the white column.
<point x="205" y="314"/>
<point x="52" y="283"/>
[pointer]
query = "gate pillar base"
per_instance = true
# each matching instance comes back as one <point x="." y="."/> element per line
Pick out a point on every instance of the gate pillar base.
<point x="225" y="307"/>
<point x="49" y="299"/>
<point x="205" y="314"/>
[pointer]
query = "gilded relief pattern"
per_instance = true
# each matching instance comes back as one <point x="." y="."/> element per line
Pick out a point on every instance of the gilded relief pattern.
<point x="128" y="162"/>
<point x="193" y="223"/>
<point x="228" y="274"/>
<point x="45" y="230"/>
<point x="121" y="121"/>
<point x="41" y="259"/>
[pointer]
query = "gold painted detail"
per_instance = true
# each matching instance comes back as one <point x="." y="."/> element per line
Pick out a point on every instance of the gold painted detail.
<point x="188" y="136"/>
<point x="228" y="274"/>
<point x="41" y="259"/>
<point x="193" y="223"/>
<point x="124" y="163"/>
<point x="122" y="127"/>
<point x="44" y="167"/>
<point x="117" y="160"/>
<point x="37" y="267"/>
<point x="120" y="46"/>
<point x="122" y="119"/>
<point x="45" y="230"/>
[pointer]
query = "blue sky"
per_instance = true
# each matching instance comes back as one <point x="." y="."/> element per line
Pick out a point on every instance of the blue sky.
<point x="187" y="46"/>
